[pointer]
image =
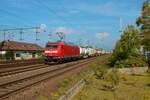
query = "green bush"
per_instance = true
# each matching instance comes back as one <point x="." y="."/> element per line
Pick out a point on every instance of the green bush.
<point x="113" y="77"/>
<point x="1" y="56"/>
<point x="112" y="60"/>
<point x="64" y="83"/>
<point x="42" y="58"/>
<point x="42" y="98"/>
<point x="131" y="62"/>
<point x="127" y="50"/>
<point x="148" y="61"/>
<point x="9" y="55"/>
<point x="100" y="72"/>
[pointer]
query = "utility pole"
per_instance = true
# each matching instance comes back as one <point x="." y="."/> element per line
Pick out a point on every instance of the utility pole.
<point x="49" y="36"/>
<point x="10" y="35"/>
<point x="120" y="24"/>
<point x="37" y="32"/>
<point x="80" y="40"/>
<point x="88" y="43"/>
<point x="21" y="33"/>
<point x="4" y="33"/>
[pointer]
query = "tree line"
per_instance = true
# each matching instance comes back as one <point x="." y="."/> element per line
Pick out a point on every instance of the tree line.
<point x="134" y="42"/>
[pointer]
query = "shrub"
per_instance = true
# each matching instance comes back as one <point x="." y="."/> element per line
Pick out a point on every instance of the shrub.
<point x="148" y="61"/>
<point x="113" y="77"/>
<point x="64" y="83"/>
<point x="9" y="55"/>
<point x="100" y="72"/>
<point x="1" y="56"/>
<point x="42" y="98"/>
<point x="132" y="62"/>
<point x="127" y="50"/>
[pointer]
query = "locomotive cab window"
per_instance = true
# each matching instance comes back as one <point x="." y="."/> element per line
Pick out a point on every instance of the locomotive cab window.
<point x="51" y="45"/>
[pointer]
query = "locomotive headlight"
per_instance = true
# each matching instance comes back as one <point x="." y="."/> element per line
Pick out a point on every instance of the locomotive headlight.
<point x="55" y="51"/>
<point x="47" y="51"/>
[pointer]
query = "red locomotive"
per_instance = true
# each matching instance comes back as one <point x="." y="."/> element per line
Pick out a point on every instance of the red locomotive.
<point x="60" y="52"/>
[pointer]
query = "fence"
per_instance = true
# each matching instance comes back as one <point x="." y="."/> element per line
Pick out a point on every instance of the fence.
<point x="72" y="91"/>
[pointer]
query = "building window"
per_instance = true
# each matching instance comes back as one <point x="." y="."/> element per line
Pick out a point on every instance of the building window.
<point x="33" y="54"/>
<point x="17" y="55"/>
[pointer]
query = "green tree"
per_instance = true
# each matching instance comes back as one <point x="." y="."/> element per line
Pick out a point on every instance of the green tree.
<point x="9" y="55"/>
<point x="143" y="22"/>
<point x="128" y="45"/>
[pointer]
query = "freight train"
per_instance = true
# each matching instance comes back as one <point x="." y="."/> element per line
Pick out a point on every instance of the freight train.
<point x="58" y="52"/>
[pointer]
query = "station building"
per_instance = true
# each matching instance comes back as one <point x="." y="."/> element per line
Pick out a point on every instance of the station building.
<point x="19" y="50"/>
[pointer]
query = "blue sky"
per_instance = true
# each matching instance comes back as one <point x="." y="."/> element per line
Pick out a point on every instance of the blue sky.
<point x="96" y="21"/>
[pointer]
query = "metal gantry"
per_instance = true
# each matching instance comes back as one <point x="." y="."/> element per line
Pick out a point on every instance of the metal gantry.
<point x="21" y="31"/>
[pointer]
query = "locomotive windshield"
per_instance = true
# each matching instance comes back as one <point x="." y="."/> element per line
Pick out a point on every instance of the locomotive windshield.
<point x="51" y="46"/>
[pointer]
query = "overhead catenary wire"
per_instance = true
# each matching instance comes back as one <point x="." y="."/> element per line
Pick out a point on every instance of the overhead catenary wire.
<point x="42" y="4"/>
<point x="39" y="3"/>
<point x="21" y="31"/>
<point x="5" y="29"/>
<point x="52" y="11"/>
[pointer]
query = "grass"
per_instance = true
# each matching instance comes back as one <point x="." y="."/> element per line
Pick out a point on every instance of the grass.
<point x="71" y="81"/>
<point x="42" y="98"/>
<point x="63" y="86"/>
<point x="67" y="83"/>
<point x="130" y="87"/>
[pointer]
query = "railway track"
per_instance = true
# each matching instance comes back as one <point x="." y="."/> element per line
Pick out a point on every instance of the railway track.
<point x="15" y="70"/>
<point x="8" y="64"/>
<point x="4" y="71"/>
<point x="18" y="81"/>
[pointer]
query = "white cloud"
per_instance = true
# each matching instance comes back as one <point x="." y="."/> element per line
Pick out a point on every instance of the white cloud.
<point x="102" y="35"/>
<point x="63" y="30"/>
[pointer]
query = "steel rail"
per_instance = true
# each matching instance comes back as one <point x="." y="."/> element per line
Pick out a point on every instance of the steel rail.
<point x="8" y="88"/>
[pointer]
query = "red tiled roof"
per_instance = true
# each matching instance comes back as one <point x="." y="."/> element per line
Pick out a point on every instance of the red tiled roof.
<point x="14" y="45"/>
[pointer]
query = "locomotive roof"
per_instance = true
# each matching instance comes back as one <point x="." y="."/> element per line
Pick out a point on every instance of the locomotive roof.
<point x="62" y="42"/>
